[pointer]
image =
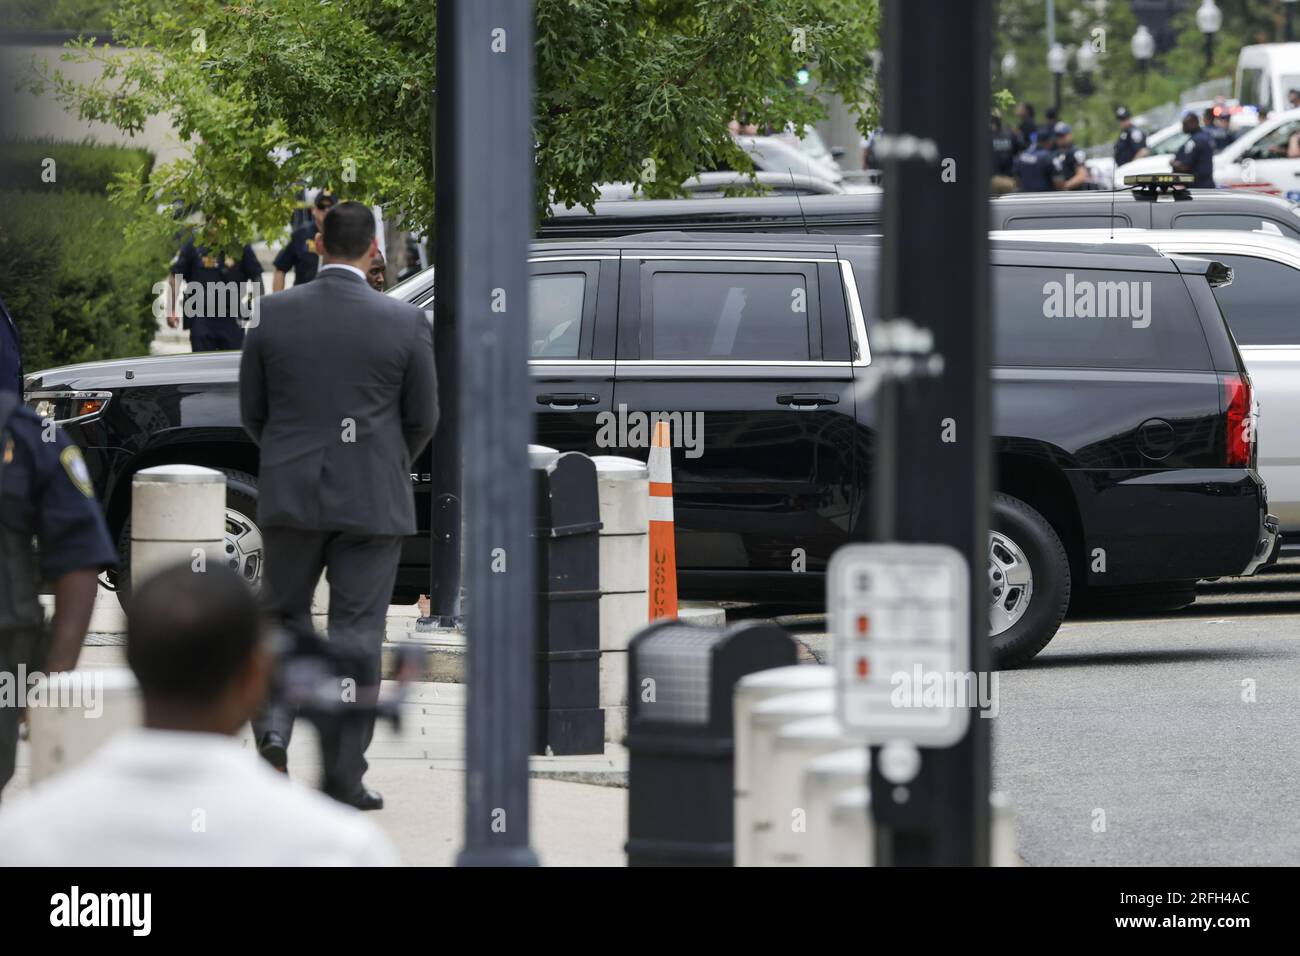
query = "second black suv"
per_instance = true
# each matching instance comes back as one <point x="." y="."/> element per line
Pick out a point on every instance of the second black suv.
<point x="1120" y="406"/>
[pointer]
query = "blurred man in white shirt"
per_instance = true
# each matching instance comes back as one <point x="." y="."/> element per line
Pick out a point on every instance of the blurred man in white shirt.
<point x="183" y="790"/>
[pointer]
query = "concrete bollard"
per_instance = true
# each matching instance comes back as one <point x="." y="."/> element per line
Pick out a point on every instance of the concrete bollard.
<point x="824" y="778"/>
<point x="178" y="515"/>
<point x="71" y="715"/>
<point x="623" y="488"/>
<point x="853" y="844"/>
<point x="755" y="740"/>
<point x="1002" y="831"/>
<point x="780" y="794"/>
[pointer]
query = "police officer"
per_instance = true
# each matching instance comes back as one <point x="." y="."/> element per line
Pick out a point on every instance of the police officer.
<point x="301" y="254"/>
<point x="11" y="353"/>
<point x="1070" y="164"/>
<point x="1196" y="156"/>
<point x="1004" y="147"/>
<point x="1132" y="142"/>
<point x="1034" y="165"/>
<point x="46" y="494"/>
<point x="212" y="295"/>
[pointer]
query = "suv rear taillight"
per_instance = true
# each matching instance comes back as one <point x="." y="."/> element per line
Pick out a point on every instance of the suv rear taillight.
<point x="1237" y="416"/>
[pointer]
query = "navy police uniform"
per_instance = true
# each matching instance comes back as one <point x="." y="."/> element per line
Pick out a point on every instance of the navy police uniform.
<point x="45" y="494"/>
<point x="1126" y="147"/>
<point x="1197" y="154"/>
<point x="201" y="269"/>
<point x="302" y="254"/>
<point x="11" y="352"/>
<point x="1034" y="169"/>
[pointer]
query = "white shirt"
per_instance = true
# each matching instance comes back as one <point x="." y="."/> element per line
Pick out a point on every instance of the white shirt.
<point x="341" y="265"/>
<point x="166" y="798"/>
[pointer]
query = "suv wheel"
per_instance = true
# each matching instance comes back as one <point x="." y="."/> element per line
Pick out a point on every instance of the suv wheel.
<point x="244" y="550"/>
<point x="1029" y="581"/>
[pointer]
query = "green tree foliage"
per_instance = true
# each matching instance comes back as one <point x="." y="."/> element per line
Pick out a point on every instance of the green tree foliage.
<point x="274" y="94"/>
<point x="77" y="289"/>
<point x="1022" y="26"/>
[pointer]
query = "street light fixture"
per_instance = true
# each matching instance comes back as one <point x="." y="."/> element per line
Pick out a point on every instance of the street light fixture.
<point x="1143" y="46"/>
<point x="1209" y="18"/>
<point x="1085" y="60"/>
<point x="1056" y="63"/>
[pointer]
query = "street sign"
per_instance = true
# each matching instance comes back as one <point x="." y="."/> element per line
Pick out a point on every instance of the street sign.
<point x="899" y="617"/>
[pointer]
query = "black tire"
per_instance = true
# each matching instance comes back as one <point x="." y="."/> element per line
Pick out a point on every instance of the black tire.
<point x="1050" y="595"/>
<point x="241" y="497"/>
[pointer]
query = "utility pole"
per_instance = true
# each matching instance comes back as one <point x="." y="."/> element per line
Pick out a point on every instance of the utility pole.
<point x="491" y="86"/>
<point x="444" y="494"/>
<point x="932" y="461"/>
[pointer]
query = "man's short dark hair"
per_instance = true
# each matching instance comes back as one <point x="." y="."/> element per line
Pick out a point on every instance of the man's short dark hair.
<point x="326" y="200"/>
<point x="190" y="632"/>
<point x="349" y="229"/>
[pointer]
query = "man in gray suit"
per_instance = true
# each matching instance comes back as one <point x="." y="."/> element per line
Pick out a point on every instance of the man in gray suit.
<point x="337" y="387"/>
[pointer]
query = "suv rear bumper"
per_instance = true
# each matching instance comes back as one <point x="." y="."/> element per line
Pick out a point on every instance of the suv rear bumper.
<point x="1177" y="525"/>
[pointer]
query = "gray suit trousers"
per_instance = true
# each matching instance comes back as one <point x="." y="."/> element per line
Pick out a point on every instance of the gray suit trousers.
<point x="360" y="571"/>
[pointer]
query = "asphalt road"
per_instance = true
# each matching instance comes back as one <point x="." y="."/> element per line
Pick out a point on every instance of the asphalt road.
<point x="1170" y="740"/>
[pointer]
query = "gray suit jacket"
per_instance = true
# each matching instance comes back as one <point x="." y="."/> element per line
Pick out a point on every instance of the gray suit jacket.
<point x="337" y="386"/>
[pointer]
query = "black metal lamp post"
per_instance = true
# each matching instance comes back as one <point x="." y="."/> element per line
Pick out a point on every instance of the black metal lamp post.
<point x="1209" y="18"/>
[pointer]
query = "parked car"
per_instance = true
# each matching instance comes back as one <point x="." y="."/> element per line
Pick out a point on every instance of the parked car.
<point x="1118" y="467"/>
<point x="1260" y="306"/>
<point x="860" y="215"/>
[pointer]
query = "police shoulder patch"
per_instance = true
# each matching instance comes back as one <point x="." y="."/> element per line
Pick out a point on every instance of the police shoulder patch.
<point x="77" y="471"/>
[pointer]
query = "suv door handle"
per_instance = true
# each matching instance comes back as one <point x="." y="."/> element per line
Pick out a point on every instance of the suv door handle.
<point x="806" y="400"/>
<point x="567" y="401"/>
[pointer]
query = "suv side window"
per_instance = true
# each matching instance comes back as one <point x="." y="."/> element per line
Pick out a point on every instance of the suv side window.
<point x="1237" y="223"/>
<point x="555" y="317"/>
<point x="1093" y="318"/>
<point x="562" y="308"/>
<point x="730" y="311"/>
<point x="1260" y="303"/>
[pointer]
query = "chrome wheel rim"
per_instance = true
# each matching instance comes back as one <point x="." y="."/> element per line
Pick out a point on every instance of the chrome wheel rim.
<point x="244" y="549"/>
<point x="1011" y="583"/>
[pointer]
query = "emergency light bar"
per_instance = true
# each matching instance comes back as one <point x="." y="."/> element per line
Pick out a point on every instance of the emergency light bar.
<point x="1150" y="185"/>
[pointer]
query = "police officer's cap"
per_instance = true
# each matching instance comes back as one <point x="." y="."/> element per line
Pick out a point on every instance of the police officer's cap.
<point x="1063" y="129"/>
<point x="1123" y="113"/>
<point x="325" y="200"/>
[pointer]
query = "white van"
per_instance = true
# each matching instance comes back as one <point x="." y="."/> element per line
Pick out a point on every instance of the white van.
<point x="1266" y="72"/>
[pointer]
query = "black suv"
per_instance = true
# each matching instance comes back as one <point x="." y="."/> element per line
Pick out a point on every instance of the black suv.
<point x="1118" y="451"/>
<point x="860" y="214"/>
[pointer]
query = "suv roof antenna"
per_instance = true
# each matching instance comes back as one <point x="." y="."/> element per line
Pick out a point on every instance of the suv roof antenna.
<point x="798" y="199"/>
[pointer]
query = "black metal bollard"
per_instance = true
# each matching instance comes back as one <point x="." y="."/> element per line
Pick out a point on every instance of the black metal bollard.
<point x="568" y="719"/>
<point x="680" y="738"/>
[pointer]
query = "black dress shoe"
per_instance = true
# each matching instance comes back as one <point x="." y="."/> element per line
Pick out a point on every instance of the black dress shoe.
<point x="366" y="799"/>
<point x="275" y="751"/>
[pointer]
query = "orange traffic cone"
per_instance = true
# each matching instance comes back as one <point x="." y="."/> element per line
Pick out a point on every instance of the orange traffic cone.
<point x="663" y="547"/>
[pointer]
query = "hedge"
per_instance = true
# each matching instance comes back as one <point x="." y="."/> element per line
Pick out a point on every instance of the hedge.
<point x="78" y="167"/>
<point x="77" y="288"/>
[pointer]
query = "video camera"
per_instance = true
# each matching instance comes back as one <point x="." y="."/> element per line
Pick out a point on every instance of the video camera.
<point x="327" y="684"/>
